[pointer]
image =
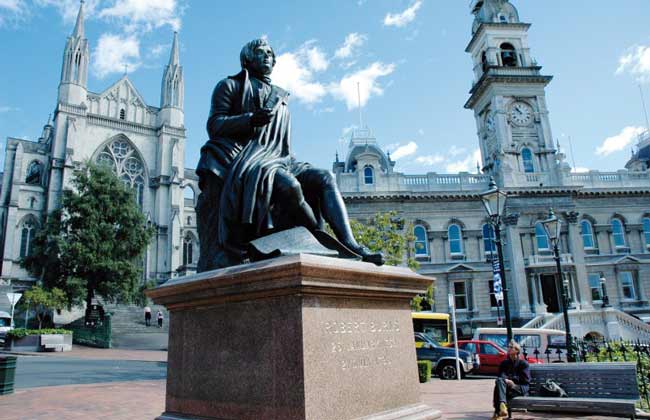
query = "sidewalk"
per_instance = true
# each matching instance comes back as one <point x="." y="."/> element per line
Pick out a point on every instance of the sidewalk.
<point x="468" y="399"/>
<point x="83" y="352"/>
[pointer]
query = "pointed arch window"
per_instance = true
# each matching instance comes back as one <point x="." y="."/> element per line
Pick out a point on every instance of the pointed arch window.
<point x="587" y="233"/>
<point x="188" y="249"/>
<point x="125" y="162"/>
<point x="541" y="237"/>
<point x="368" y="175"/>
<point x="34" y="173"/>
<point x="527" y="158"/>
<point x="421" y="241"/>
<point x="489" y="239"/>
<point x="455" y="239"/>
<point x="618" y="233"/>
<point x="646" y="231"/>
<point x="26" y="237"/>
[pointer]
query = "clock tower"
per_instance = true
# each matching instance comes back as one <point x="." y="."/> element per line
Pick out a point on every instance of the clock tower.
<point x="509" y="100"/>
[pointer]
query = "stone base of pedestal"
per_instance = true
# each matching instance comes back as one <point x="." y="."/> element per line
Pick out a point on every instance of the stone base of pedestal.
<point x="298" y="337"/>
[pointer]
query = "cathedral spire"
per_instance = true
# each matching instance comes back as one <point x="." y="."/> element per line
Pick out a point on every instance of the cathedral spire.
<point x="79" y="26"/>
<point x="174" y="58"/>
<point x="173" y="88"/>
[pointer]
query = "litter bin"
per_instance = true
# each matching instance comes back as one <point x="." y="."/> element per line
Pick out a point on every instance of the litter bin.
<point x="7" y="374"/>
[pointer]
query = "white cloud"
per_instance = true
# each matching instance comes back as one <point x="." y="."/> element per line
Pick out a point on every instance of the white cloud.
<point x="403" y="18"/>
<point x="113" y="52"/>
<point x="158" y="50"/>
<point x="405" y="150"/>
<point x="346" y="89"/>
<point x="316" y="59"/>
<point x="12" y="11"/>
<point x="636" y="62"/>
<point x="68" y="9"/>
<point x="293" y="74"/>
<point x="466" y="165"/>
<point x="620" y="141"/>
<point x="430" y="160"/>
<point x="352" y="41"/>
<point x="455" y="151"/>
<point x="579" y="170"/>
<point x="145" y="14"/>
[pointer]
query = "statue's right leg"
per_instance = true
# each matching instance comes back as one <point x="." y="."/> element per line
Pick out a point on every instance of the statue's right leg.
<point x="211" y="255"/>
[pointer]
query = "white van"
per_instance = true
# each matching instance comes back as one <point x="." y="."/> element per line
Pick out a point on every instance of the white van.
<point x="532" y="338"/>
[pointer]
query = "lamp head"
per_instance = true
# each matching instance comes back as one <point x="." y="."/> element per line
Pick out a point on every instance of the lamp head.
<point x="552" y="225"/>
<point x="494" y="200"/>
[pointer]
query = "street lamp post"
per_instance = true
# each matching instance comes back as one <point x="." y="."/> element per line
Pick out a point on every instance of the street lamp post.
<point x="494" y="202"/>
<point x="604" y="291"/>
<point x="553" y="227"/>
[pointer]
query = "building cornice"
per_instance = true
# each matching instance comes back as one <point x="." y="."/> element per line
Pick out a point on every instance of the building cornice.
<point x="484" y="26"/>
<point x="488" y="79"/>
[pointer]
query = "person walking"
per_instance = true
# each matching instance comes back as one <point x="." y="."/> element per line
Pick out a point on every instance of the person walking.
<point x="513" y="381"/>
<point x="160" y="318"/>
<point x="147" y="316"/>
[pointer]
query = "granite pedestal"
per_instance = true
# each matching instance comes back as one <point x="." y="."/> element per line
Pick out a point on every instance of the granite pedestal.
<point x="296" y="337"/>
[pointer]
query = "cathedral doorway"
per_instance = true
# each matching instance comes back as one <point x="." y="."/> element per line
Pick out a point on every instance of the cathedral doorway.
<point x="550" y="293"/>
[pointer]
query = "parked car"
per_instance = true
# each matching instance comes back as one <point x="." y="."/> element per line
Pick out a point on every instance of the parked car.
<point x="489" y="354"/>
<point x="532" y="339"/>
<point x="443" y="359"/>
<point x="5" y="324"/>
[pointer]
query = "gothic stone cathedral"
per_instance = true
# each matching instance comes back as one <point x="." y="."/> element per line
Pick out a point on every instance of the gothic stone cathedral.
<point x="145" y="144"/>
<point x="606" y="229"/>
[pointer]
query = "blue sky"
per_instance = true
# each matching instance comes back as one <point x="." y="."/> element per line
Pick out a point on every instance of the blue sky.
<point x="407" y="55"/>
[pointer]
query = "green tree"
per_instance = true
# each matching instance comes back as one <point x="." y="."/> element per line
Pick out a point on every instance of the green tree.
<point x="92" y="245"/>
<point x="387" y="233"/>
<point x="43" y="301"/>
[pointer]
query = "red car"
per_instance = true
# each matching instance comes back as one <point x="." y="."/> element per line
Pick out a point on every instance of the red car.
<point x="489" y="354"/>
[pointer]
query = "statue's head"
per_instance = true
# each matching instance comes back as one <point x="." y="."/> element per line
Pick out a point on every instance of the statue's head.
<point x="258" y="57"/>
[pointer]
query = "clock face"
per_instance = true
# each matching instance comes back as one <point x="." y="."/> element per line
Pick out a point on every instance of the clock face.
<point x="521" y="113"/>
<point x="489" y="123"/>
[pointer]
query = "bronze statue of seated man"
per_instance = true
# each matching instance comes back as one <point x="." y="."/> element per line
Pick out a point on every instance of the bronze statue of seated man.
<point x="250" y="183"/>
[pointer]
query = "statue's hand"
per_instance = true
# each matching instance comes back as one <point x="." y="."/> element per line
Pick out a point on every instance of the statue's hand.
<point x="261" y="117"/>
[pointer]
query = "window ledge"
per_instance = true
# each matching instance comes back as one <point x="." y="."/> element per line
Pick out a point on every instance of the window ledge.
<point x="457" y="256"/>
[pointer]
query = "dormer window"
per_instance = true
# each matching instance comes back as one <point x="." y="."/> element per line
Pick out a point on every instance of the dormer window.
<point x="508" y="55"/>
<point x="503" y="19"/>
<point x="122" y="114"/>
<point x="368" y="175"/>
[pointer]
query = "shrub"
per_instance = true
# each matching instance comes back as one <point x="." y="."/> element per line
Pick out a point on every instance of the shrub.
<point x="424" y="370"/>
<point x="22" y="332"/>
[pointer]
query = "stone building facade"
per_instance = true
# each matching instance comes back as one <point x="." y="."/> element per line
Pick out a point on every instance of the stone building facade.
<point x="606" y="229"/>
<point x="144" y="144"/>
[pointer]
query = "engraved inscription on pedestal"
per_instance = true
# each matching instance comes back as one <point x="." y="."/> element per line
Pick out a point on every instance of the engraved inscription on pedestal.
<point x="362" y="344"/>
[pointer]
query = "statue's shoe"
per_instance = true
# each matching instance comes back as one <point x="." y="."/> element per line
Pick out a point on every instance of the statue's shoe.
<point x="347" y="251"/>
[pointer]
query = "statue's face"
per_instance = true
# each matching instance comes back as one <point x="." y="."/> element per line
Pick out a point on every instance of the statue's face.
<point x="262" y="62"/>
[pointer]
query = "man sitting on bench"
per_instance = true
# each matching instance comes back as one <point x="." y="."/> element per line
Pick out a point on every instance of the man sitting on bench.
<point x="513" y="381"/>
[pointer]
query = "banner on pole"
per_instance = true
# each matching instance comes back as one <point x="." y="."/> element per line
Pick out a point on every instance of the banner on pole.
<point x="496" y="276"/>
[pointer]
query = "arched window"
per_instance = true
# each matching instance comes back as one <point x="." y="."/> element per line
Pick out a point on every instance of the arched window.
<point x="368" y="175"/>
<point x="587" y="234"/>
<point x="484" y="61"/>
<point x="503" y="19"/>
<point x="189" y="220"/>
<point x="34" y="173"/>
<point x="421" y="241"/>
<point x="122" y="114"/>
<point x="125" y="162"/>
<point x="455" y="239"/>
<point x="618" y="233"/>
<point x="188" y="194"/>
<point x="541" y="237"/>
<point x="508" y="55"/>
<point x="188" y="244"/>
<point x="527" y="158"/>
<point x="646" y="231"/>
<point x="488" y="239"/>
<point x="26" y="238"/>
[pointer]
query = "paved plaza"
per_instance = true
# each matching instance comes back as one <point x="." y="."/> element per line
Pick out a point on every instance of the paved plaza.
<point x="145" y="399"/>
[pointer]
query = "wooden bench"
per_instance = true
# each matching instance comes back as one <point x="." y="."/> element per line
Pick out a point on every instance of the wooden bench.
<point x="609" y="389"/>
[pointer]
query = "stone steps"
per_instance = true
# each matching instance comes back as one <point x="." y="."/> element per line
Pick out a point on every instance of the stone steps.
<point x="129" y="319"/>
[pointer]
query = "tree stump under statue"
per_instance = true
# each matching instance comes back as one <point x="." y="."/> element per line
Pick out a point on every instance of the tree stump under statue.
<point x="295" y="337"/>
